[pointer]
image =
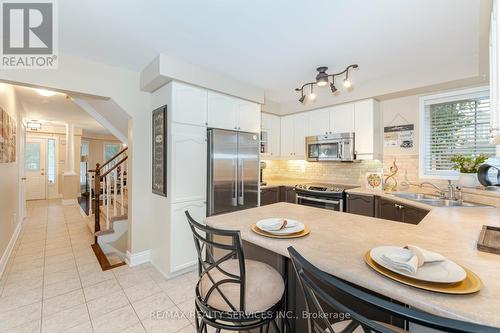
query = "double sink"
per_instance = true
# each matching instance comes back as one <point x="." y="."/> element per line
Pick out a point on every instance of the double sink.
<point x="434" y="200"/>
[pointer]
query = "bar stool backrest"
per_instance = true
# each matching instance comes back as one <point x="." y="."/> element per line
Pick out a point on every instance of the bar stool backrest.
<point x="208" y="262"/>
<point x="313" y="282"/>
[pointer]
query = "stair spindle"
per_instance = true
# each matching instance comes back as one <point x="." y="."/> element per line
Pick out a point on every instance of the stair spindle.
<point x="121" y="187"/>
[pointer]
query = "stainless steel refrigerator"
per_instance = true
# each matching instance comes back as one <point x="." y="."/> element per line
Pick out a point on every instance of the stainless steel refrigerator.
<point x="233" y="171"/>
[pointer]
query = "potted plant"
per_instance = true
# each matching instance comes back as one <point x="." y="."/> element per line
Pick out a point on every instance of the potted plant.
<point x="468" y="165"/>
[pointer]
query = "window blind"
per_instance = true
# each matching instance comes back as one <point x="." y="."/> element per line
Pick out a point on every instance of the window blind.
<point x="455" y="127"/>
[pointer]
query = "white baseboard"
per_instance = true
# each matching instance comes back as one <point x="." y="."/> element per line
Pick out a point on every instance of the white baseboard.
<point x="134" y="259"/>
<point x="176" y="273"/>
<point x="69" y="202"/>
<point x="8" y="251"/>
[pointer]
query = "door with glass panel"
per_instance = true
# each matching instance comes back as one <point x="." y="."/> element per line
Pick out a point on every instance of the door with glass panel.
<point x="35" y="167"/>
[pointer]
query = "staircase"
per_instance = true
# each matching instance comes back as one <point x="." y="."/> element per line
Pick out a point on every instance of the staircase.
<point x="109" y="207"/>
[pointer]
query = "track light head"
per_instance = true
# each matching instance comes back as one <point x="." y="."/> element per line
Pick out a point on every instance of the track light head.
<point x="333" y="88"/>
<point x="302" y="99"/>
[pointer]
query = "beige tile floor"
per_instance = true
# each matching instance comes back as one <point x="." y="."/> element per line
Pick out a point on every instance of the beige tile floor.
<point x="53" y="283"/>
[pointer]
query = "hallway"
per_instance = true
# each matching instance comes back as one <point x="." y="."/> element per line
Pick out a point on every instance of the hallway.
<point x="53" y="283"/>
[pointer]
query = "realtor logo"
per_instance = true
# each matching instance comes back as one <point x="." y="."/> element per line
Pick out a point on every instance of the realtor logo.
<point x="29" y="34"/>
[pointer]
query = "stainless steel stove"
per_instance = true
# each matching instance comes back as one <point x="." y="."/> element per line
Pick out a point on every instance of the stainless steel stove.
<point x="327" y="196"/>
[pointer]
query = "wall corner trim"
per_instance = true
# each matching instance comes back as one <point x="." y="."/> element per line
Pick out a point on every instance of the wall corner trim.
<point x="8" y="250"/>
<point x="135" y="259"/>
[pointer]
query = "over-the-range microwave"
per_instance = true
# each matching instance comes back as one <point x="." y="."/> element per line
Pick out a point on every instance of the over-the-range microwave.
<point x="330" y="147"/>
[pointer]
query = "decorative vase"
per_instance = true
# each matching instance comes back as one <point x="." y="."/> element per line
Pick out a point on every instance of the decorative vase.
<point x="468" y="180"/>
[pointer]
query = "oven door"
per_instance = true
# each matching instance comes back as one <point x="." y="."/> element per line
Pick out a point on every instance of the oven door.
<point x="332" y="204"/>
<point x="324" y="151"/>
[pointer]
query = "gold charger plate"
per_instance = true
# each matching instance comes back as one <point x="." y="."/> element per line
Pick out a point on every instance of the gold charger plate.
<point x="261" y="232"/>
<point x="471" y="284"/>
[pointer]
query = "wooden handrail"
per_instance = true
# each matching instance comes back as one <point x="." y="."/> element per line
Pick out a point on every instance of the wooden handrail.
<point x="97" y="187"/>
<point x="114" y="167"/>
<point x="111" y="159"/>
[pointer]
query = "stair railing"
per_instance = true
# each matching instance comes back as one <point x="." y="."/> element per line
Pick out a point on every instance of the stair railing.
<point x="108" y="180"/>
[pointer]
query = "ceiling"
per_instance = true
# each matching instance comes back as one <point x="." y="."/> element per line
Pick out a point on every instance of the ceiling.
<point x="278" y="44"/>
<point x="58" y="110"/>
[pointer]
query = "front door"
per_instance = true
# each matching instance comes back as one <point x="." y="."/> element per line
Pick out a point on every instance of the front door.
<point x="35" y="162"/>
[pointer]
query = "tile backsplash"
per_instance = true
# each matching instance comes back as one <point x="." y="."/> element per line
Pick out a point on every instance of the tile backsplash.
<point x="340" y="172"/>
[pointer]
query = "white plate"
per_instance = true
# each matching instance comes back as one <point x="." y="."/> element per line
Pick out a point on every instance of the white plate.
<point x="297" y="226"/>
<point x="445" y="271"/>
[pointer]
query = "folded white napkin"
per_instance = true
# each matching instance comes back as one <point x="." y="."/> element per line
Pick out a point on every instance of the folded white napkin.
<point x="277" y="224"/>
<point x="411" y="260"/>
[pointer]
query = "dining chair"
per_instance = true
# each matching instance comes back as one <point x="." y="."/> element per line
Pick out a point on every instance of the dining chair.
<point x="233" y="293"/>
<point x="324" y="291"/>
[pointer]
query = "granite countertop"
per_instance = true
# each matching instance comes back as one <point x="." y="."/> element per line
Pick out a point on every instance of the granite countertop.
<point x="338" y="242"/>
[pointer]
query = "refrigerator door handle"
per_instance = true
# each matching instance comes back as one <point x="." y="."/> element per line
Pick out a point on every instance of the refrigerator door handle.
<point x="234" y="185"/>
<point x="241" y="198"/>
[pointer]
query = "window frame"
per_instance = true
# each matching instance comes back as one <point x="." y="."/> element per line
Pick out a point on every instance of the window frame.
<point x="449" y="96"/>
<point x="109" y="144"/>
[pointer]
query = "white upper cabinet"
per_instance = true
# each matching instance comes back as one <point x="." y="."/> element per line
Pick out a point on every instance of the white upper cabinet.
<point x="222" y="111"/>
<point x="368" y="131"/>
<point x="287" y="143"/>
<point x="293" y="135"/>
<point x="232" y="113"/>
<point x="362" y="118"/>
<point x="319" y="122"/>
<point x="334" y="119"/>
<point x="248" y="116"/>
<point x="342" y="118"/>
<point x="189" y="104"/>
<point x="270" y="135"/>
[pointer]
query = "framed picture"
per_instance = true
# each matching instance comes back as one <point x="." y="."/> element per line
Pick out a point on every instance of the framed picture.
<point x="159" y="163"/>
<point x="7" y="138"/>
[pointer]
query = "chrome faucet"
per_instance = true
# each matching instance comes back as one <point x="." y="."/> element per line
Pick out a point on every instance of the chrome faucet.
<point x="446" y="194"/>
<point x="442" y="194"/>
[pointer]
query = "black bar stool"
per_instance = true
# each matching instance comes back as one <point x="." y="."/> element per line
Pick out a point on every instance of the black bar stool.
<point x="233" y="293"/>
<point x="314" y="283"/>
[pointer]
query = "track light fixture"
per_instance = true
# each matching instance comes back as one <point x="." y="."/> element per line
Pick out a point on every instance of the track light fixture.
<point x="323" y="78"/>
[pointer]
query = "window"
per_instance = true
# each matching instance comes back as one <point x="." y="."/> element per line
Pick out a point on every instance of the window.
<point x="51" y="161"/>
<point x="84" y="158"/>
<point x="110" y="150"/>
<point x="32" y="158"/>
<point x="453" y="123"/>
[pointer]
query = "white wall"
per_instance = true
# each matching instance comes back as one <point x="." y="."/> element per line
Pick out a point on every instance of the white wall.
<point x="10" y="178"/>
<point x="96" y="149"/>
<point x="78" y="75"/>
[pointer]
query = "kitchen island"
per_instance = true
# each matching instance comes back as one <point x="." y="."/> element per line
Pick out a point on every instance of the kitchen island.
<point x="338" y="241"/>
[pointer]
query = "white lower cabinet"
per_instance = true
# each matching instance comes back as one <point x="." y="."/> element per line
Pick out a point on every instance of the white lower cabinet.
<point x="183" y="251"/>
<point x="188" y="161"/>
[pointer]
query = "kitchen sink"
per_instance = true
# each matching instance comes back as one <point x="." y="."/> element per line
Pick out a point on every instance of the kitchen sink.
<point x="414" y="196"/>
<point x="433" y="200"/>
